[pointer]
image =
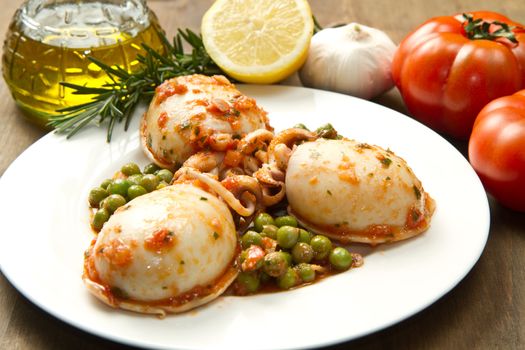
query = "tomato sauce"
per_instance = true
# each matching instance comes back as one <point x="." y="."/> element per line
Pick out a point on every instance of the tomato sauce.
<point x="114" y="296"/>
<point x="415" y="222"/>
<point x="160" y="240"/>
<point x="169" y="88"/>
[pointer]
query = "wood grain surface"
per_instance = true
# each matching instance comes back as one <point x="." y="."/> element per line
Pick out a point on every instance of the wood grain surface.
<point x="485" y="311"/>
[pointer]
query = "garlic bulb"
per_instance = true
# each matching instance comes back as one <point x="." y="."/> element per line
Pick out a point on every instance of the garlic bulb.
<point x="353" y="59"/>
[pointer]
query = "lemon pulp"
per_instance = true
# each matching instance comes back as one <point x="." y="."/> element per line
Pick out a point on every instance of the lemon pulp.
<point x="258" y="41"/>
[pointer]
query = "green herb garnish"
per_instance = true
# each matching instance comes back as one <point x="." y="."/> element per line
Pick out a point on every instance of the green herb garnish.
<point x="417" y="192"/>
<point x="386" y="162"/>
<point x="117" y="98"/>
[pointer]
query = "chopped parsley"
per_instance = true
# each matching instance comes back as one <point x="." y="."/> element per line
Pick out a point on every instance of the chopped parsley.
<point x="329" y="192"/>
<point x="203" y="199"/>
<point x="185" y="125"/>
<point x="386" y="161"/>
<point x="415" y="215"/>
<point x="363" y="146"/>
<point x="234" y="112"/>
<point x="314" y="154"/>
<point x="215" y="235"/>
<point x="417" y="192"/>
<point x="168" y="237"/>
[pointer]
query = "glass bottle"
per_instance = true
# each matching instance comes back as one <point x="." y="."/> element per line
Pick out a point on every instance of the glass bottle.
<point x="49" y="41"/>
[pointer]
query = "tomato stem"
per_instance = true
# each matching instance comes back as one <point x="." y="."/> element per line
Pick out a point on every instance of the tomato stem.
<point x="478" y="29"/>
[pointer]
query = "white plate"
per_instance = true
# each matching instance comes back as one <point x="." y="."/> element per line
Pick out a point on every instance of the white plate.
<point x="46" y="230"/>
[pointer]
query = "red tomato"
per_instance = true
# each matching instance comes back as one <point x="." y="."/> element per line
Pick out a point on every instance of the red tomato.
<point x="446" y="76"/>
<point x="497" y="149"/>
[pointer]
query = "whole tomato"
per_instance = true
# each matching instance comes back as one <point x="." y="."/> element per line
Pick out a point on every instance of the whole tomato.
<point x="497" y="149"/>
<point x="450" y="67"/>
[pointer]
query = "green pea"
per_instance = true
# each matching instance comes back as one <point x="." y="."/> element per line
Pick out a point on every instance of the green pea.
<point x="113" y="202"/>
<point x="326" y="131"/>
<point x="301" y="126"/>
<point x="306" y="272"/>
<point x="244" y="256"/>
<point x="165" y="175"/>
<point x="151" y="168"/>
<point x="149" y="182"/>
<point x="134" y="179"/>
<point x="289" y="258"/>
<point x="106" y="183"/>
<point x="96" y="195"/>
<point x="100" y="217"/>
<point x="119" y="186"/>
<point x="321" y="246"/>
<point x="161" y="184"/>
<point x="286" y="220"/>
<point x="304" y="236"/>
<point x="130" y="169"/>
<point x="261" y="220"/>
<point x="340" y="259"/>
<point x="275" y="264"/>
<point x="103" y="203"/>
<point x="269" y="231"/>
<point x="249" y="281"/>
<point x="289" y="279"/>
<point x="249" y="238"/>
<point x="264" y="277"/>
<point x="135" y="191"/>
<point x="302" y="253"/>
<point x="287" y="236"/>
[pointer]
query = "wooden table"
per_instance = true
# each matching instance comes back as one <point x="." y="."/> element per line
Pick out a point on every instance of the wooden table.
<point x="485" y="311"/>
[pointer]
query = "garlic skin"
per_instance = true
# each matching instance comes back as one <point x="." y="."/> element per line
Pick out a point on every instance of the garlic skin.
<point x="353" y="59"/>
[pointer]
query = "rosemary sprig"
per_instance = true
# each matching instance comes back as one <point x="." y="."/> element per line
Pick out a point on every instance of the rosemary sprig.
<point x="117" y="98"/>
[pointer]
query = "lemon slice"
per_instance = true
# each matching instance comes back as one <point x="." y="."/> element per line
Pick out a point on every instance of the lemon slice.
<point x="258" y="41"/>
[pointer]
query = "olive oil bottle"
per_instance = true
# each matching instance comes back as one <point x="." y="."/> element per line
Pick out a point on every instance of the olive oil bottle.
<point x="49" y="41"/>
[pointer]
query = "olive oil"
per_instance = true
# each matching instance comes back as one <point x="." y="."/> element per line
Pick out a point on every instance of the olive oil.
<point x="50" y="44"/>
